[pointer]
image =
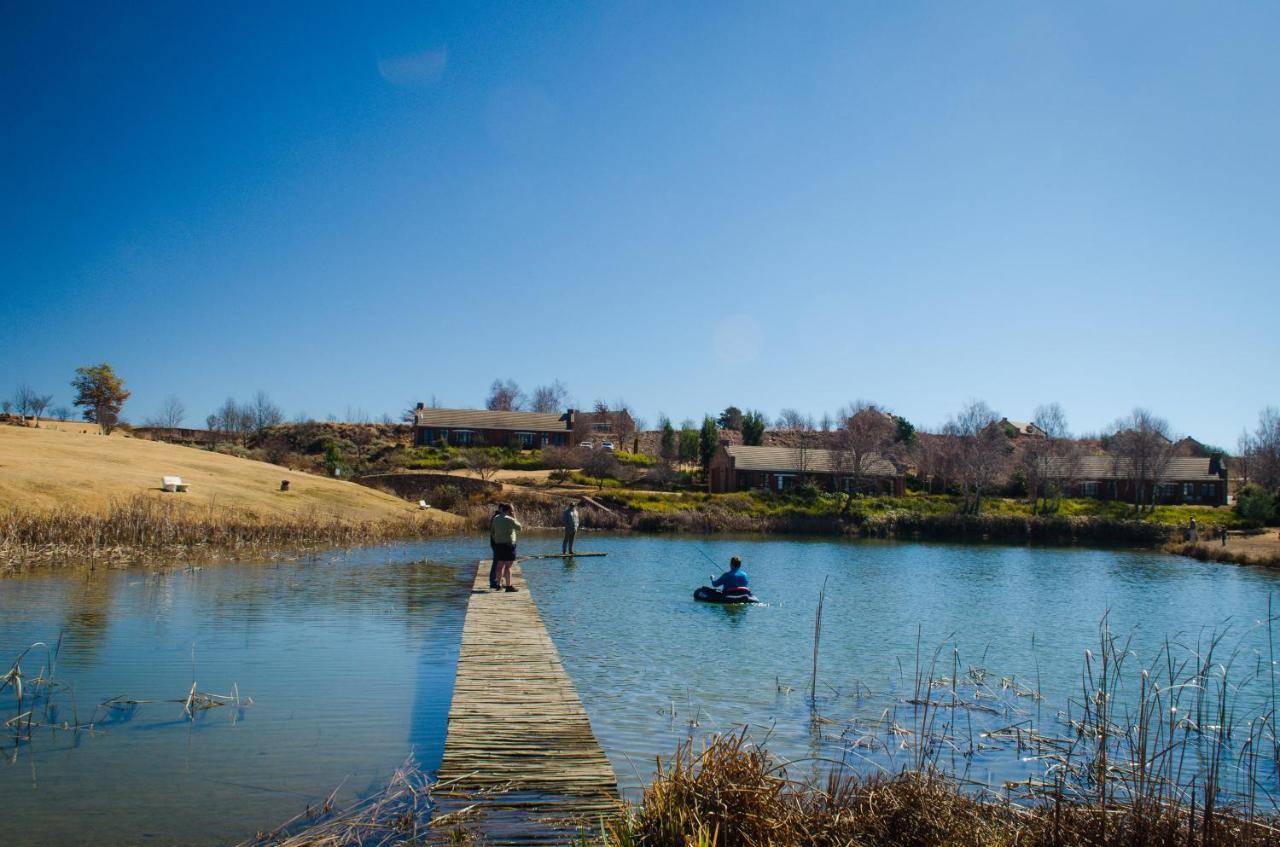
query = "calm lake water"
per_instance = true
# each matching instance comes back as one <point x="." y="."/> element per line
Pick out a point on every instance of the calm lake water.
<point x="348" y="660"/>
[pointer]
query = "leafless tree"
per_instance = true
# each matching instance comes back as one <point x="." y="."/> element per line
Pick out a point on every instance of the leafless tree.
<point x="600" y="464"/>
<point x="865" y="432"/>
<point x="62" y="413"/>
<point x="792" y="419"/>
<point x="1141" y="447"/>
<point x="549" y="398"/>
<point x="265" y="413"/>
<point x="825" y="422"/>
<point x="232" y="419"/>
<point x="24" y="400"/>
<point x="39" y="403"/>
<point x="171" y="414"/>
<point x="624" y="423"/>
<point x="560" y="460"/>
<point x="482" y="462"/>
<point x="6" y="406"/>
<point x="982" y="451"/>
<point x="504" y="396"/>
<point x="1040" y="459"/>
<point x="1260" y="450"/>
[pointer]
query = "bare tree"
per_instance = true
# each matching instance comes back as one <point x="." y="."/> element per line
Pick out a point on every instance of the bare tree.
<point x="559" y="460"/>
<point x="232" y="419"/>
<point x="171" y="414"/>
<point x="600" y="464"/>
<point x="865" y="432"/>
<point x="1260" y="450"/>
<point x="62" y="413"/>
<point x="1141" y="448"/>
<point x="24" y="400"/>
<point x="549" y="398"/>
<point x="982" y="451"/>
<point x="1040" y="458"/>
<point x="792" y="419"/>
<point x="504" y="396"/>
<point x="825" y="422"/>
<point x="624" y="423"/>
<point x="39" y="403"/>
<point x="265" y="413"/>
<point x="482" y="462"/>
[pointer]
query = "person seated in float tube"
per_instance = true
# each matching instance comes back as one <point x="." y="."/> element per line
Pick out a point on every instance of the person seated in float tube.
<point x="733" y="582"/>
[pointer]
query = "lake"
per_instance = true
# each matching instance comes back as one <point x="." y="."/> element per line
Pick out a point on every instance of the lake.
<point x="343" y="663"/>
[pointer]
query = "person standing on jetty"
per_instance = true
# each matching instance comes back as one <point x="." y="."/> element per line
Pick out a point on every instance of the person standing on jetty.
<point x="570" y="527"/>
<point x="504" y="530"/>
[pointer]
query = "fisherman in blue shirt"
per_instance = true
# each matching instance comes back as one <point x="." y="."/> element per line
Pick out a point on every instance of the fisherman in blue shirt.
<point x="733" y="581"/>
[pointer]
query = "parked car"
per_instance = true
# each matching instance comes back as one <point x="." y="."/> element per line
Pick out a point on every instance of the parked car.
<point x="586" y="445"/>
<point x="608" y="445"/>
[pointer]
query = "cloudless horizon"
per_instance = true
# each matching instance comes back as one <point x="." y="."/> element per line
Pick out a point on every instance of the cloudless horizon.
<point x="684" y="205"/>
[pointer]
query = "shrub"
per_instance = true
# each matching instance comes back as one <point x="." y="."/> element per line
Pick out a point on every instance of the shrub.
<point x="1256" y="505"/>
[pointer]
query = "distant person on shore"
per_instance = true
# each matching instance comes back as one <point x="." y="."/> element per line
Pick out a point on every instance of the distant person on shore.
<point x="1193" y="534"/>
<point x="571" y="522"/>
<point x="732" y="581"/>
<point x="504" y="530"/>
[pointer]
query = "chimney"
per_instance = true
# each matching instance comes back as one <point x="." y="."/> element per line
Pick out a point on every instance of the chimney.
<point x="1216" y="467"/>
<point x="568" y="417"/>
<point x="419" y="406"/>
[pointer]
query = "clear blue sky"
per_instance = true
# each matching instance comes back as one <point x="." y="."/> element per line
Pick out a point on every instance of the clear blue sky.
<point x="684" y="204"/>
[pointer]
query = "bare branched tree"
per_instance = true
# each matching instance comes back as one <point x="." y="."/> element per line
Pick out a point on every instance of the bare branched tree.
<point x="1141" y="447"/>
<point x="504" y="396"/>
<point x="1039" y="458"/>
<point x="24" y="401"/>
<point x="483" y="463"/>
<point x="265" y="413"/>
<point x="982" y="451"/>
<point x="549" y="398"/>
<point x="39" y="403"/>
<point x="1260" y="450"/>
<point x="865" y="432"/>
<point x="171" y="414"/>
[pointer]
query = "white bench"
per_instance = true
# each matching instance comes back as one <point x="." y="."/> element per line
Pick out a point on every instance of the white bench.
<point x="173" y="483"/>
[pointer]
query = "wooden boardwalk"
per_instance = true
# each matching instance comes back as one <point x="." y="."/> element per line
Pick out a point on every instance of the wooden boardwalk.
<point x="519" y="748"/>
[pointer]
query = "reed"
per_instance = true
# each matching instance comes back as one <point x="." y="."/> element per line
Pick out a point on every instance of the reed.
<point x="732" y="793"/>
<point x="144" y="527"/>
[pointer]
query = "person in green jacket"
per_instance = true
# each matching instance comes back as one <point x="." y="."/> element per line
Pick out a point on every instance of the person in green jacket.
<point x="504" y="530"/>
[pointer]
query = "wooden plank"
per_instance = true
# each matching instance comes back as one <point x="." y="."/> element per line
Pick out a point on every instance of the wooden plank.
<point x="519" y="746"/>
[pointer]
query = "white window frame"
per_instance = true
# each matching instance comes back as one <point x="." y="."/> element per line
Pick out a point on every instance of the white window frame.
<point x="1089" y="489"/>
<point x="463" y="436"/>
<point x="527" y="439"/>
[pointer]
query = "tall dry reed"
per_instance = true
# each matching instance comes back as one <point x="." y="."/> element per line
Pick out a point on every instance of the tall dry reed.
<point x="144" y="527"/>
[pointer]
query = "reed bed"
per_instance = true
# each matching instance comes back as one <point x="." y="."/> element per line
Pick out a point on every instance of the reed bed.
<point x="399" y="814"/>
<point x="732" y="793"/>
<point x="144" y="527"/>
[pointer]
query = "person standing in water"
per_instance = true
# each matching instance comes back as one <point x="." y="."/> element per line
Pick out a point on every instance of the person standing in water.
<point x="733" y="581"/>
<point x="571" y="522"/>
<point x="504" y="530"/>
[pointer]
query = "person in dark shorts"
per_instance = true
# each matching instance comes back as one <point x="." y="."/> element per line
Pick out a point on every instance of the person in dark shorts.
<point x="504" y="530"/>
<point x="493" y="554"/>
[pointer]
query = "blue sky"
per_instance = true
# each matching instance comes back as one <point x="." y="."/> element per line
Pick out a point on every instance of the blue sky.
<point x="685" y="205"/>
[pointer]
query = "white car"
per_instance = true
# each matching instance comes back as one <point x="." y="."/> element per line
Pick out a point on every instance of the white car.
<point x="586" y="445"/>
<point x="608" y="445"/>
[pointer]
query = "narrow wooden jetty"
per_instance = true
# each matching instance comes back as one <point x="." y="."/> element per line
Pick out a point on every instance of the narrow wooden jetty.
<point x="520" y="753"/>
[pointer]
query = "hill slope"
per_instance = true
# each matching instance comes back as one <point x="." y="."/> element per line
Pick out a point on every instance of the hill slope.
<point x="47" y="468"/>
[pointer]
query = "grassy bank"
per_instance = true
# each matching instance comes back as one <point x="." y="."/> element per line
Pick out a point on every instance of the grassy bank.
<point x="912" y="516"/>
<point x="145" y="528"/>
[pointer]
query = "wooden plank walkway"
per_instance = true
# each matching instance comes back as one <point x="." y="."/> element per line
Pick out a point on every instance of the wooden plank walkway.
<point x="519" y="747"/>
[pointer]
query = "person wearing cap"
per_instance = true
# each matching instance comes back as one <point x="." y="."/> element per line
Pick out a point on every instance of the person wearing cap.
<point x="571" y="522"/>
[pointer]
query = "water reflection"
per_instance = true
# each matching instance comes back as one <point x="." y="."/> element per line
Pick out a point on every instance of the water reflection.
<point x="348" y="659"/>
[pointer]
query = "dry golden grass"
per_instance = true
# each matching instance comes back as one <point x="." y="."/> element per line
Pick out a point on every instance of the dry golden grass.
<point x="49" y="469"/>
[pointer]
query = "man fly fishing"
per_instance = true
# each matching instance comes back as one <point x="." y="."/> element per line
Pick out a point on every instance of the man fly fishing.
<point x="733" y="582"/>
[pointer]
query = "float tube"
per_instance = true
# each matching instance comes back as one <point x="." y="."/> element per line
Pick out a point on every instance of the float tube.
<point x="711" y="595"/>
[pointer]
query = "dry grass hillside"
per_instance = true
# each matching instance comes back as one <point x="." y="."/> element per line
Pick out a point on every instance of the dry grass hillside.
<point x="65" y="466"/>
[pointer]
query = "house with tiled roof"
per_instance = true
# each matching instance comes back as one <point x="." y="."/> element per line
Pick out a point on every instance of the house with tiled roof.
<point x="484" y="428"/>
<point x="738" y="467"/>
<point x="1185" y="480"/>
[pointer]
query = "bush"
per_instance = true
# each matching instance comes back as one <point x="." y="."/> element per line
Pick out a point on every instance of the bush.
<point x="447" y="497"/>
<point x="1256" y="505"/>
